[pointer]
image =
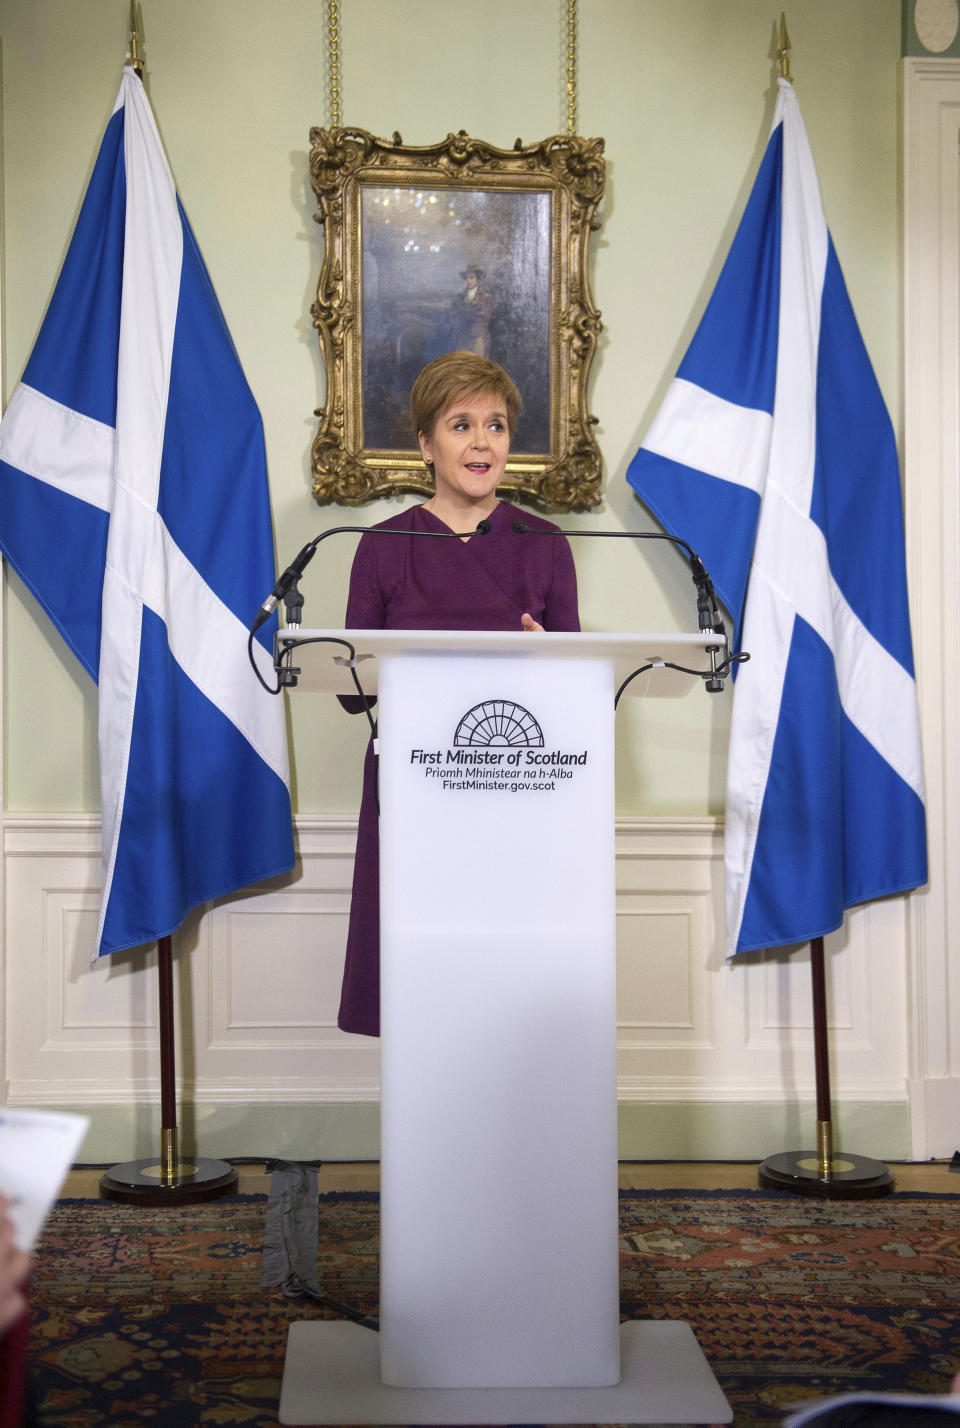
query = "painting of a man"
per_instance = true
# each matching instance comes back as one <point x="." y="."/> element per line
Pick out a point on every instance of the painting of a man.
<point x="446" y="270"/>
<point x="472" y="311"/>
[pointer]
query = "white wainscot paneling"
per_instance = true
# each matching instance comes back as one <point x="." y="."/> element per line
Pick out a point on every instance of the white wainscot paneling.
<point x="694" y="1028"/>
<point x="301" y="993"/>
<point x="670" y="963"/>
<point x="69" y="1028"/>
<point x="272" y="990"/>
<point x="866" y="1000"/>
<point x="661" y="999"/>
<point x="256" y="982"/>
<point x="258" y="978"/>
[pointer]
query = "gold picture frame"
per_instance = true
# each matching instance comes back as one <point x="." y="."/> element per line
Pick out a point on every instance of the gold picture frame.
<point x="449" y="246"/>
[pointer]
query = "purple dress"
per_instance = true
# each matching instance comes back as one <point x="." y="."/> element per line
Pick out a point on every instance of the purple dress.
<point x="485" y="583"/>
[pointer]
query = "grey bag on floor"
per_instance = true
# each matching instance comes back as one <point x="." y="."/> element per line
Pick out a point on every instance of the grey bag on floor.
<point x="290" y="1232"/>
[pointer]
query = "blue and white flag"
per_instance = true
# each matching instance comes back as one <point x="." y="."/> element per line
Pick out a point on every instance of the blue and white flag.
<point x="134" y="505"/>
<point x="773" y="455"/>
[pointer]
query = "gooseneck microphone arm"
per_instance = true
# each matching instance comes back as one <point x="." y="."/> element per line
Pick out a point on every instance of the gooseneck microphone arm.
<point x="290" y="577"/>
<point x="708" y="608"/>
<point x="287" y="589"/>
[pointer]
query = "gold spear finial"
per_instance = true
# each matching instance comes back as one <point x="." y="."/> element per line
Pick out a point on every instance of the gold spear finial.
<point x="135" y="58"/>
<point x="783" y="48"/>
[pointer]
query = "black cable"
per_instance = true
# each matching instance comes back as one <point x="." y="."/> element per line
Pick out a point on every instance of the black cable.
<point x="265" y="1160"/>
<point x="368" y="710"/>
<point x="256" y="668"/>
<point x="291" y="643"/>
<point x="346" y="1310"/>
<point x="629" y="680"/>
<point x="287" y="653"/>
<point x="721" y="671"/>
<point x="367" y="706"/>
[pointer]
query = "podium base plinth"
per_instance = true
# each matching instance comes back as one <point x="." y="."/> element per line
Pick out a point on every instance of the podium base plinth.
<point x="332" y="1375"/>
<point x="850" y="1177"/>
<point x="140" y="1182"/>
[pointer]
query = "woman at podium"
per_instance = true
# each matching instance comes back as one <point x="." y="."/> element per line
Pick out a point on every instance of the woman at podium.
<point x="465" y="411"/>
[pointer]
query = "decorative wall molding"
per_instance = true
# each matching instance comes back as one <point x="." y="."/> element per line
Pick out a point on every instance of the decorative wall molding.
<point x="257" y="984"/>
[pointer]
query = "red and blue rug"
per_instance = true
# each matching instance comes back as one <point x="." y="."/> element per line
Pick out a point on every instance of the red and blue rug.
<point x="157" y="1315"/>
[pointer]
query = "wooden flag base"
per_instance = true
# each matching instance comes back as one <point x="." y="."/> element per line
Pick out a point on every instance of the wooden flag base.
<point x="843" y="1177"/>
<point x="143" y="1182"/>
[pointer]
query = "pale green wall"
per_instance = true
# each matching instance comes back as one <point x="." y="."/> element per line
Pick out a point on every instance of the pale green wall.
<point x="647" y="1130"/>
<point x="682" y="92"/>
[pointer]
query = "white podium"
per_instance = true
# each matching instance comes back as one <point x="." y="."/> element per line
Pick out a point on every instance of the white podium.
<point x="499" y="1237"/>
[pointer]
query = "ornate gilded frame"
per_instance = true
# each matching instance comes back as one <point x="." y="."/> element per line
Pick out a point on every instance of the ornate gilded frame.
<point x="562" y="177"/>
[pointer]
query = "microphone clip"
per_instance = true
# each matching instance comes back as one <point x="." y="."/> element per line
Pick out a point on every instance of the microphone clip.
<point x="293" y="605"/>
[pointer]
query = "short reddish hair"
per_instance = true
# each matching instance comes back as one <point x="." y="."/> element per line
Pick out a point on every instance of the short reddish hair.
<point x="460" y="374"/>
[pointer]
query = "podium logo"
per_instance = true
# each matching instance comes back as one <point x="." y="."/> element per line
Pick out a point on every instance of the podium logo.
<point x="498" y="747"/>
<point x="498" y="723"/>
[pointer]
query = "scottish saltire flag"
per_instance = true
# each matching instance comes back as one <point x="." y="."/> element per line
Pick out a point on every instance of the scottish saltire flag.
<point x="134" y="505"/>
<point x="773" y="455"/>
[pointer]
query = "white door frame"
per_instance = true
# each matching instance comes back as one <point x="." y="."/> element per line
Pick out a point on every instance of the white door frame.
<point x="930" y="95"/>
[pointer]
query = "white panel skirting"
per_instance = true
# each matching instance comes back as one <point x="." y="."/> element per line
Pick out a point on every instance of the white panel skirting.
<point x="257" y="985"/>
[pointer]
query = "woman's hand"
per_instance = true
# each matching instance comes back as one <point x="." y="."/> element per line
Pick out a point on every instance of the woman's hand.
<point x="14" y="1265"/>
<point x="529" y="623"/>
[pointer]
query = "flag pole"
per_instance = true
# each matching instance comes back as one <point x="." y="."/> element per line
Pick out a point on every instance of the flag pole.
<point x="820" y="1172"/>
<point x="135" y="58"/>
<point x="784" y="890"/>
<point x="145" y="1182"/>
<point x="783" y="47"/>
<point x="171" y="1180"/>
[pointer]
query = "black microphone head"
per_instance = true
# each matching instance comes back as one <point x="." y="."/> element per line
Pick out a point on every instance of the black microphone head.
<point x="484" y="527"/>
<point x="520" y="527"/>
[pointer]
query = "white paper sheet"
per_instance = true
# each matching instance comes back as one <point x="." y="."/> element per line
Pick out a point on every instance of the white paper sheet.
<point x="37" y="1148"/>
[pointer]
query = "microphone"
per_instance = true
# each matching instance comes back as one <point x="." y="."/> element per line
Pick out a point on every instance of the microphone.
<point x="288" y="580"/>
<point x="708" y="609"/>
<point x="285" y="583"/>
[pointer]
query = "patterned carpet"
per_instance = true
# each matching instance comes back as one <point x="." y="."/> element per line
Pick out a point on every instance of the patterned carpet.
<point x="145" y="1315"/>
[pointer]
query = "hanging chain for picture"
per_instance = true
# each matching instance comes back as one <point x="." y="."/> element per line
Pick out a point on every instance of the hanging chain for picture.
<point x="571" y="66"/>
<point x="551" y="189"/>
<point x="333" y="43"/>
